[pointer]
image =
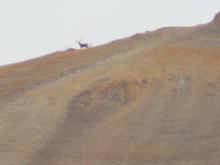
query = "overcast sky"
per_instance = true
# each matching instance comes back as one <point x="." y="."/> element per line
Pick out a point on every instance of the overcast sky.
<point x="32" y="28"/>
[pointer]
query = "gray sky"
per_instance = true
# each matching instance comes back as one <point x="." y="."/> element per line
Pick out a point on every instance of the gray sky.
<point x="32" y="28"/>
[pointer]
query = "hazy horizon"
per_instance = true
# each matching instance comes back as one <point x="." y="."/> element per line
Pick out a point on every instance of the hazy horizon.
<point x="31" y="28"/>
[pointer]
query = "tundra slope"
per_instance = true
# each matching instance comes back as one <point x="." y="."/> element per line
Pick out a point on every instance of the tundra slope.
<point x="152" y="98"/>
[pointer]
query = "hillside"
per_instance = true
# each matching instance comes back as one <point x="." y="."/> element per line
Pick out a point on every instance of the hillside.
<point x="149" y="99"/>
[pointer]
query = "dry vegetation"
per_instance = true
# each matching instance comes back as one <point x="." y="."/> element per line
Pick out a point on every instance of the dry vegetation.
<point x="150" y="99"/>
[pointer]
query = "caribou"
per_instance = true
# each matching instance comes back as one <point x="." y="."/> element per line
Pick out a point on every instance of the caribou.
<point x="83" y="45"/>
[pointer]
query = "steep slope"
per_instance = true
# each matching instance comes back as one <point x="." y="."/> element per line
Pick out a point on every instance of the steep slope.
<point x="152" y="98"/>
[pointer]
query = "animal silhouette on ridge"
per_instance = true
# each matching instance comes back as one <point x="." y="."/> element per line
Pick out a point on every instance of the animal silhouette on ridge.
<point x="82" y="45"/>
